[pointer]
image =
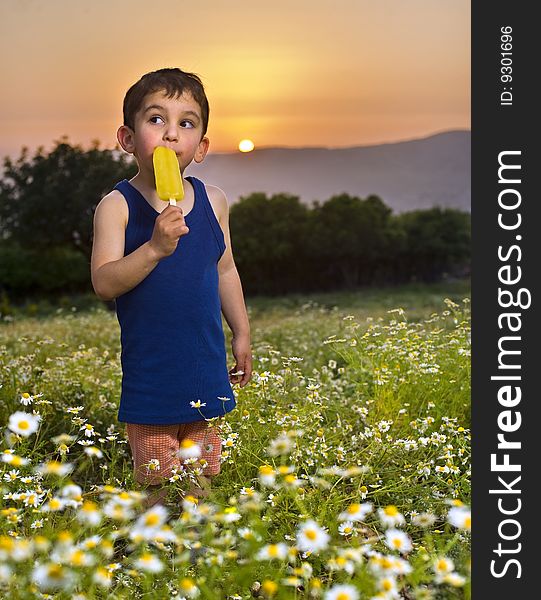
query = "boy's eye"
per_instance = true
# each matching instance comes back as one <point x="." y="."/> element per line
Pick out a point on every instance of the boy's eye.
<point x="156" y="119"/>
<point x="186" y="124"/>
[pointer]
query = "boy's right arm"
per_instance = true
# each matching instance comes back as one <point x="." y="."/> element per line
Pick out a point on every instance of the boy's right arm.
<point x="114" y="274"/>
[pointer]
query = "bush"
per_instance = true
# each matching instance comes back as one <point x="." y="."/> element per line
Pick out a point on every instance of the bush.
<point x="26" y="271"/>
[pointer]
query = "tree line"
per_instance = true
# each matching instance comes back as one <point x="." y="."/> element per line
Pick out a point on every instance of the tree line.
<point x="280" y="245"/>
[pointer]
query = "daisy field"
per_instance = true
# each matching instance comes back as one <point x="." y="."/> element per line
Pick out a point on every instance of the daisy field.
<point x="345" y="466"/>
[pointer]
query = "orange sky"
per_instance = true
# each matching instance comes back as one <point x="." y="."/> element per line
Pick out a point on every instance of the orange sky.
<point x="283" y="73"/>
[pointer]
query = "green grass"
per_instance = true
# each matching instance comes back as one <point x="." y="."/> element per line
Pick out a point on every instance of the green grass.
<point x="369" y="393"/>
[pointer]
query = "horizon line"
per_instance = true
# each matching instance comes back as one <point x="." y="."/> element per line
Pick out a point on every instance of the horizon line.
<point x="65" y="138"/>
<point x="349" y="147"/>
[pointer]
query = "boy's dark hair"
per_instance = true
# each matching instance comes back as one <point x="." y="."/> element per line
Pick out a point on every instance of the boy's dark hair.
<point x="173" y="82"/>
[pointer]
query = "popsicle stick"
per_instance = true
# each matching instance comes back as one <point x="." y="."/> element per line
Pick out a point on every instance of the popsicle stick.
<point x="172" y="202"/>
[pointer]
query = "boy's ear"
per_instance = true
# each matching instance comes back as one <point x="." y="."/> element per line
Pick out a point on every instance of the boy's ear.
<point x="202" y="150"/>
<point x="126" y="138"/>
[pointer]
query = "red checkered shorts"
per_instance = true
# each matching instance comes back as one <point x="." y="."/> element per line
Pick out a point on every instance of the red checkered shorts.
<point x="149" y="443"/>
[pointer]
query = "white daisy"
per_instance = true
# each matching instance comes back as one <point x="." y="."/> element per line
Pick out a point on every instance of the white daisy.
<point x="280" y="446"/>
<point x="188" y="589"/>
<point x="123" y="498"/>
<point x="165" y="535"/>
<point x="390" y="517"/>
<point x="91" y="542"/>
<point x="89" y="513"/>
<point x="77" y="557"/>
<point x="305" y="570"/>
<point x="52" y="576"/>
<point x="347" y="528"/>
<point x="24" y="424"/>
<point x="291" y="481"/>
<point x="246" y="533"/>
<point x="189" y="503"/>
<point x="149" y="523"/>
<point x="12" y="475"/>
<point x="454" y="579"/>
<point x="442" y="566"/>
<point x="388" y="586"/>
<point x="117" y="512"/>
<point x="153" y="465"/>
<point x="102" y="577"/>
<point x="88" y="430"/>
<point x="311" y="537"/>
<point x="188" y="449"/>
<point x="228" y="515"/>
<point x="271" y="551"/>
<point x="341" y="563"/>
<point x="55" y="504"/>
<point x="356" y="512"/>
<point x="424" y="519"/>
<point x="72" y="491"/>
<point x="398" y="566"/>
<point x="93" y="451"/>
<point x="22" y="550"/>
<point x="342" y="592"/>
<point x="267" y="475"/>
<point x="13" y="459"/>
<point x="197" y="404"/>
<point x="149" y="562"/>
<point x="53" y="467"/>
<point x="31" y="497"/>
<point x="460" y="517"/>
<point x="26" y="399"/>
<point x="398" y="540"/>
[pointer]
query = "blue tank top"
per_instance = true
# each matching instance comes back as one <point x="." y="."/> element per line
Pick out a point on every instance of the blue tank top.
<point x="173" y="346"/>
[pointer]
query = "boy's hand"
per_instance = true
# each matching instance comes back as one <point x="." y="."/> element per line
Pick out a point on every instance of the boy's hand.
<point x="241" y="373"/>
<point x="168" y="229"/>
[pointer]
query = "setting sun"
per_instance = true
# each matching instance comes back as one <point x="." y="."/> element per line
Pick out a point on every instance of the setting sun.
<point x="246" y="145"/>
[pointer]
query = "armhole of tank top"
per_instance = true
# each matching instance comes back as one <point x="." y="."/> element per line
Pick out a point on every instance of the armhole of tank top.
<point x="211" y="216"/>
<point x="121" y="187"/>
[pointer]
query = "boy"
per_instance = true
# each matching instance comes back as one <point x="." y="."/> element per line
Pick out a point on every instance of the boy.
<point x="171" y="271"/>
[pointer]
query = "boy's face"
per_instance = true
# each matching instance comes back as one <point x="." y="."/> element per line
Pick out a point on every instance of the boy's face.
<point x="172" y="122"/>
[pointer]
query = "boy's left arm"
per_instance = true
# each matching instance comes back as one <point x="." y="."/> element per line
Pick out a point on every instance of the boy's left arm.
<point x="231" y="295"/>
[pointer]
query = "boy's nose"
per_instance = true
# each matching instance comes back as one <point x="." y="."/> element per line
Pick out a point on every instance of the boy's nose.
<point x="171" y="134"/>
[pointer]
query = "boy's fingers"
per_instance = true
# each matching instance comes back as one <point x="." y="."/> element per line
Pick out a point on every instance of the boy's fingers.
<point x="171" y="212"/>
<point x="247" y="368"/>
<point x="241" y="373"/>
<point x="237" y="374"/>
<point x="171" y="208"/>
<point x="249" y="372"/>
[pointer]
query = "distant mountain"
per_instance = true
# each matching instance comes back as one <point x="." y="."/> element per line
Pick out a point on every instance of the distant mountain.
<point x="433" y="171"/>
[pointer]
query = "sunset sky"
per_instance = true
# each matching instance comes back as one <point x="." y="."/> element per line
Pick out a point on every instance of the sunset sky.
<point x="295" y="73"/>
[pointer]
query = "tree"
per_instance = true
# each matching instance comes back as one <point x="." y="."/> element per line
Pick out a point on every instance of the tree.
<point x="437" y="241"/>
<point x="349" y="238"/>
<point x="48" y="200"/>
<point x="47" y="203"/>
<point x="268" y="236"/>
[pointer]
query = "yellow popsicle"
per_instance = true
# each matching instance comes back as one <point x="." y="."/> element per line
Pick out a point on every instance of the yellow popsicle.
<point x="167" y="175"/>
